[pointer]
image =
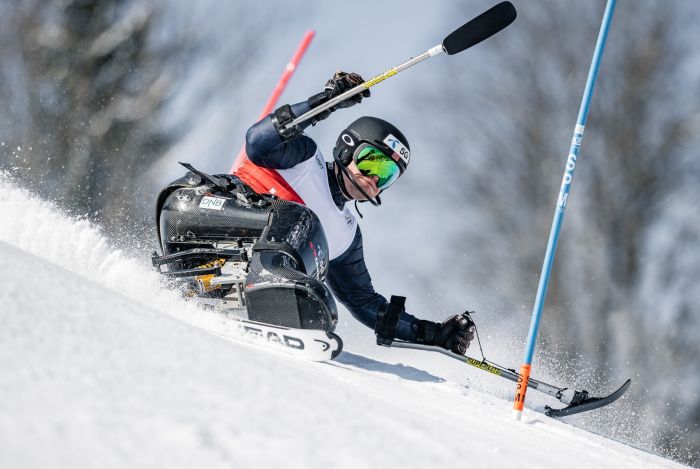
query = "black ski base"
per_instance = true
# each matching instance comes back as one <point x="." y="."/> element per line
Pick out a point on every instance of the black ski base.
<point x="588" y="403"/>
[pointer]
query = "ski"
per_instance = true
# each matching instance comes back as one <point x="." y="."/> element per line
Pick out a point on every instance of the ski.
<point x="588" y="403"/>
<point x="309" y="344"/>
<point x="576" y="401"/>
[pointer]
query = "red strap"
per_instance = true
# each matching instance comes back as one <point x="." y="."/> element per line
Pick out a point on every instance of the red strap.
<point x="266" y="181"/>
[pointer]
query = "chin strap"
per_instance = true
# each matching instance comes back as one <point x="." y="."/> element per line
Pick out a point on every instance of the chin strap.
<point x="357" y="209"/>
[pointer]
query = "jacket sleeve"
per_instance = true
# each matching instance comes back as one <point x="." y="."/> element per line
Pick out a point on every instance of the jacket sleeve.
<point x="351" y="284"/>
<point x="265" y="147"/>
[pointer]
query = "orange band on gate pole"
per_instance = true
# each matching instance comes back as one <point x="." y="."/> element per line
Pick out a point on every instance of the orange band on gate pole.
<point x="521" y="389"/>
<point x="272" y="100"/>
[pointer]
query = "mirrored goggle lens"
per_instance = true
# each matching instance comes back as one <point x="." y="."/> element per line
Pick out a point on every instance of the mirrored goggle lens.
<point x="373" y="162"/>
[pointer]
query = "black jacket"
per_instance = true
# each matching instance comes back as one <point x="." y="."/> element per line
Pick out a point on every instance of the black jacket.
<point x="347" y="277"/>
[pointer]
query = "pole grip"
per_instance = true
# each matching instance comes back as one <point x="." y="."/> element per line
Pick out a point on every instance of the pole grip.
<point x="366" y="85"/>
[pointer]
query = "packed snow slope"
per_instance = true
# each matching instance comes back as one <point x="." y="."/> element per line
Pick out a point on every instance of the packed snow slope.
<point x="103" y="368"/>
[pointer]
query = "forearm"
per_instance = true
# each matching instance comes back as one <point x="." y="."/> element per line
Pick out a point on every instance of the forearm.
<point x="265" y="147"/>
<point x="274" y="143"/>
<point x="351" y="284"/>
<point x="366" y="313"/>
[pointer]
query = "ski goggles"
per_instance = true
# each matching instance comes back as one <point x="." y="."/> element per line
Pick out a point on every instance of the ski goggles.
<point x="371" y="161"/>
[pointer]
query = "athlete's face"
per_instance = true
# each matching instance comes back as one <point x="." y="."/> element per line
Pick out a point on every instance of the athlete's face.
<point x="367" y="183"/>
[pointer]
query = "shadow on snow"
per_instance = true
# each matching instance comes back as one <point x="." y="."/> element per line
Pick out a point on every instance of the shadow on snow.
<point x="402" y="371"/>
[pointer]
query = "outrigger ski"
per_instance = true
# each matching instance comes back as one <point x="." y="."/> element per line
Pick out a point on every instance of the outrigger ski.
<point x="576" y="401"/>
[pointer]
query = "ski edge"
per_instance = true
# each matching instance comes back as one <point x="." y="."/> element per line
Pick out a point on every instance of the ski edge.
<point x="311" y="344"/>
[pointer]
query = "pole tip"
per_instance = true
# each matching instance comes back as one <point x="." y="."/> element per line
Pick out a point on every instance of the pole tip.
<point x="517" y="415"/>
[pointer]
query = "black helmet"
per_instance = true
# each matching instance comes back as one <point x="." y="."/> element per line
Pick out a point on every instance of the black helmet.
<point x="363" y="138"/>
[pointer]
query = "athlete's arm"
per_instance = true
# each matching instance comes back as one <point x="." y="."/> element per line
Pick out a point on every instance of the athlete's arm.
<point x="271" y="143"/>
<point x="265" y="147"/>
<point x="351" y="284"/>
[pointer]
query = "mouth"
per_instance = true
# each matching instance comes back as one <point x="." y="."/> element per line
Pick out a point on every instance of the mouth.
<point x="370" y="185"/>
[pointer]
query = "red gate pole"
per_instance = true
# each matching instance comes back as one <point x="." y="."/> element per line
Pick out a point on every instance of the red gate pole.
<point x="281" y="84"/>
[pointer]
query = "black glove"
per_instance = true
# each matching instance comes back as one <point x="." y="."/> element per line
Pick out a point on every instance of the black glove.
<point x="454" y="333"/>
<point x="339" y="84"/>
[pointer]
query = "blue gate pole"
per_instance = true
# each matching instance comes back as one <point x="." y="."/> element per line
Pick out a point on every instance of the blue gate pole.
<point x="521" y="387"/>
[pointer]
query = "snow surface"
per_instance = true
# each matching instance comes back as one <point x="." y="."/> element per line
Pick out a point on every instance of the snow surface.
<point x="101" y="367"/>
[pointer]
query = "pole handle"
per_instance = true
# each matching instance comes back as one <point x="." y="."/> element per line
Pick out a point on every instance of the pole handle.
<point x="363" y="86"/>
<point x="469" y="34"/>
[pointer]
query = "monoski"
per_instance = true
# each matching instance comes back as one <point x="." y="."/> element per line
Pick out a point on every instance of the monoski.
<point x="220" y="246"/>
<point x="259" y="260"/>
<point x="262" y="261"/>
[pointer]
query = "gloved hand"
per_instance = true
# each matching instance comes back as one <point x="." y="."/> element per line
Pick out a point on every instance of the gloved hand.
<point x="339" y="84"/>
<point x="454" y="333"/>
